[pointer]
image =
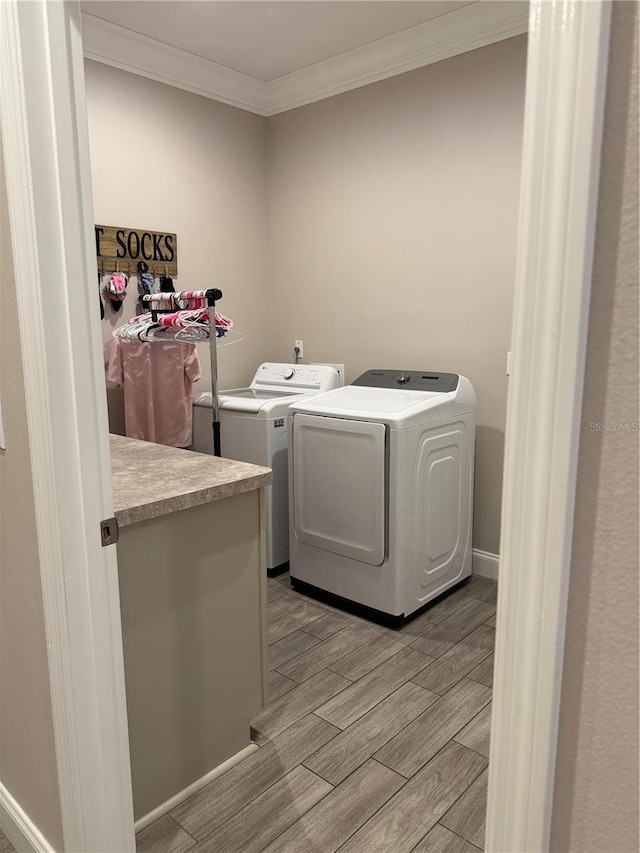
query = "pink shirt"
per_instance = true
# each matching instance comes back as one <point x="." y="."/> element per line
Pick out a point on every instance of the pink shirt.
<point x="158" y="380"/>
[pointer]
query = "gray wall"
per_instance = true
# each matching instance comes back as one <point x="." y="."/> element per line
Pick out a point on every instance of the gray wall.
<point x="393" y="219"/>
<point x="185" y="598"/>
<point x="167" y="160"/>
<point x="27" y="751"/>
<point x="596" y="790"/>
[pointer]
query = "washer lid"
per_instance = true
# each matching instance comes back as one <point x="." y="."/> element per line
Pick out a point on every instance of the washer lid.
<point x="252" y="400"/>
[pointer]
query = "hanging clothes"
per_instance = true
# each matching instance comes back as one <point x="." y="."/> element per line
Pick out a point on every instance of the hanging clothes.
<point x="116" y="290"/>
<point x="145" y="279"/>
<point x="145" y="283"/>
<point x="158" y="382"/>
<point x="166" y="284"/>
<point x="100" y="295"/>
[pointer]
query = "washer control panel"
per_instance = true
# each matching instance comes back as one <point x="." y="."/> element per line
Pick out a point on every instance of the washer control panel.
<point x="415" y="380"/>
<point x="320" y="377"/>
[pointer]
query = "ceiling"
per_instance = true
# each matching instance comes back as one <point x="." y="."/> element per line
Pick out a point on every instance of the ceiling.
<point x="267" y="39"/>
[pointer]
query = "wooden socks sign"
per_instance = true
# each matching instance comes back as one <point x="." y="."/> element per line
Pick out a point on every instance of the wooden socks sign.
<point x="118" y="246"/>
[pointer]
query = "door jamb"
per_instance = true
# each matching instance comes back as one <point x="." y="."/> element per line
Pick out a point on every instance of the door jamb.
<point x="564" y="107"/>
<point x="46" y="152"/>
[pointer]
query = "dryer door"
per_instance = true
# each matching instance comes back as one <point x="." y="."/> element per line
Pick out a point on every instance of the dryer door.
<point x="339" y="486"/>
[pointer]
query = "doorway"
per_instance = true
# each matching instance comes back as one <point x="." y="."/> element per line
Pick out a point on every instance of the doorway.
<point x="575" y="119"/>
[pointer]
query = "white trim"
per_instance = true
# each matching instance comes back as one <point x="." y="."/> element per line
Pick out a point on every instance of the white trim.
<point x="19" y="828"/>
<point x="130" y="51"/>
<point x="196" y="786"/>
<point x="485" y="564"/>
<point x="43" y="120"/>
<point x="465" y="29"/>
<point x="567" y="63"/>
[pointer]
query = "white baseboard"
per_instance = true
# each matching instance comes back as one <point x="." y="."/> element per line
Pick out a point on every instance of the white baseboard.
<point x="196" y="786"/>
<point x="19" y="828"/>
<point x="485" y="564"/>
<point x="27" y="838"/>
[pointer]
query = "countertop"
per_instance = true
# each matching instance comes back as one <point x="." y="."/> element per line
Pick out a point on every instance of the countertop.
<point x="150" y="480"/>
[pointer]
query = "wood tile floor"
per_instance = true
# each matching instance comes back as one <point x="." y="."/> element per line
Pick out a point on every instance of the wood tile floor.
<point x="374" y="739"/>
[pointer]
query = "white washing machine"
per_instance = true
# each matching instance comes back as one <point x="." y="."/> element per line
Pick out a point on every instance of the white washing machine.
<point x="381" y="491"/>
<point x="253" y="428"/>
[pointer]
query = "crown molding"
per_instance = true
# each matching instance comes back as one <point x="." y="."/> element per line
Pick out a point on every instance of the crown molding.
<point x="466" y="29"/>
<point x="130" y="51"/>
<point x="469" y="28"/>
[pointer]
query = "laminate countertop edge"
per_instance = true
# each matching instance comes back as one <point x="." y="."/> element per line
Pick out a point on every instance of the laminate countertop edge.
<point x="152" y="480"/>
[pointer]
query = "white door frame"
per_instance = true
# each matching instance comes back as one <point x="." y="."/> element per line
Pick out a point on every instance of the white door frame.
<point x="47" y="162"/>
<point x="46" y="148"/>
<point x="564" y="107"/>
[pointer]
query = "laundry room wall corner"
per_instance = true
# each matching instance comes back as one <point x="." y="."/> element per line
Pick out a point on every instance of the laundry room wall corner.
<point x="393" y="225"/>
<point x="194" y="167"/>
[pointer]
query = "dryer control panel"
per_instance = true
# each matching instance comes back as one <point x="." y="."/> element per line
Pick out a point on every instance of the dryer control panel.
<point x="413" y="380"/>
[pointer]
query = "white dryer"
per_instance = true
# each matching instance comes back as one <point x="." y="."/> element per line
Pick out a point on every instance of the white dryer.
<point x="253" y="428"/>
<point x="381" y="491"/>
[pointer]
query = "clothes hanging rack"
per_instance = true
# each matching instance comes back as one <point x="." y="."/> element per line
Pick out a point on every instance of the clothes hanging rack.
<point x="212" y="295"/>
